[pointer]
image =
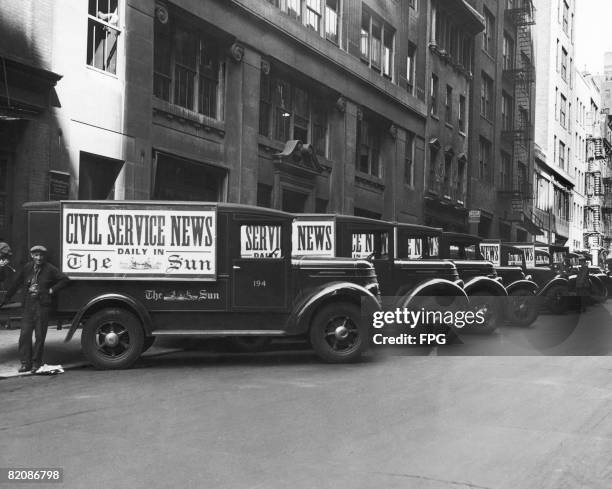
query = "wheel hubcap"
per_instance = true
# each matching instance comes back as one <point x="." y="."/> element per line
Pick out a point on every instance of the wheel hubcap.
<point x="342" y="332"/>
<point x="111" y="339"/>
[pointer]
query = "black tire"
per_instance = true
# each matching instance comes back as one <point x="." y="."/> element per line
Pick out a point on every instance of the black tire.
<point x="249" y="344"/>
<point x="338" y="334"/>
<point x="490" y="306"/>
<point x="112" y="338"/>
<point x="148" y="343"/>
<point x="557" y="299"/>
<point x="523" y="308"/>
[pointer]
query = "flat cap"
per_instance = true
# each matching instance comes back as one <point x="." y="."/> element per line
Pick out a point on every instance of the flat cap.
<point x="40" y="248"/>
<point x="5" y="249"/>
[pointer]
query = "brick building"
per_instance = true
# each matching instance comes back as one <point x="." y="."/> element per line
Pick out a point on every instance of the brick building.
<point x="197" y="100"/>
<point x="501" y="139"/>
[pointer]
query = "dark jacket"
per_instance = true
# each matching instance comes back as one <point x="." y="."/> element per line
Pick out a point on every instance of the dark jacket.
<point x="49" y="277"/>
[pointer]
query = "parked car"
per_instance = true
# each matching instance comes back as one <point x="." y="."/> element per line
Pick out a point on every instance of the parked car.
<point x="553" y="287"/>
<point x="406" y="276"/>
<point x="523" y="305"/>
<point x="141" y="270"/>
<point x="481" y="283"/>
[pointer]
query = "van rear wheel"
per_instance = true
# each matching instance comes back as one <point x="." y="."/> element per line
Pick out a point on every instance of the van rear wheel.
<point x="523" y="308"/>
<point x="338" y="334"/>
<point x="112" y="338"/>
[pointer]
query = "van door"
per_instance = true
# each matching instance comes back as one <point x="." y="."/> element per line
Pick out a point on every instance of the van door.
<point x="260" y="267"/>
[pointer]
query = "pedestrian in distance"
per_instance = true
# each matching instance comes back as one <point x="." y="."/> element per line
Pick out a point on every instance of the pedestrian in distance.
<point x="583" y="284"/>
<point x="41" y="281"/>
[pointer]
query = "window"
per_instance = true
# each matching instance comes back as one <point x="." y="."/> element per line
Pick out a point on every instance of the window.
<point x="462" y="115"/>
<point x="506" y="172"/>
<point x="369" y="142"/>
<point x="409" y="160"/>
<point x="561" y="155"/>
<point x="181" y="179"/>
<point x="541" y="193"/>
<point x="556" y="102"/>
<point x="433" y="95"/>
<point x="313" y="15"/>
<point x="411" y="68"/>
<point x="565" y="17"/>
<point x="485" y="159"/>
<point x="331" y="20"/>
<point x="564" y="64"/>
<point x="486" y="97"/>
<point x="187" y="69"/>
<point x="508" y="53"/>
<point x="294" y="8"/>
<point x="376" y="44"/>
<point x="321" y="16"/>
<point x="449" y="104"/>
<point x="102" y="35"/>
<point x="506" y="112"/>
<point x="448" y="173"/>
<point x="558" y="55"/>
<point x="4" y="195"/>
<point x="562" y="110"/>
<point x="489" y="33"/>
<point x="461" y="165"/>
<point x="289" y="111"/>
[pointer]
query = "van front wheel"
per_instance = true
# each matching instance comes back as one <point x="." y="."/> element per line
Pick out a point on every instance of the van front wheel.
<point x="338" y="334"/>
<point x="112" y="338"/>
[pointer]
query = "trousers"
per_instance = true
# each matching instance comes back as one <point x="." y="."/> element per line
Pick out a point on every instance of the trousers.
<point x="36" y="320"/>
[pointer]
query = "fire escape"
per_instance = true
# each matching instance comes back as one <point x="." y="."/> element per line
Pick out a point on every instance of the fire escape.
<point x="521" y="75"/>
<point x="598" y="224"/>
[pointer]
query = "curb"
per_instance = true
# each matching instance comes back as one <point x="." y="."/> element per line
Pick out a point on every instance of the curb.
<point x="81" y="364"/>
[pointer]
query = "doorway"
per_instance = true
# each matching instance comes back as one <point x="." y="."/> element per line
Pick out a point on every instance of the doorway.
<point x="293" y="201"/>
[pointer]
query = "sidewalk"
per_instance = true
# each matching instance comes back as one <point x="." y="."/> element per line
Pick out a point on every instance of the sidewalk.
<point x="68" y="355"/>
<point x="57" y="352"/>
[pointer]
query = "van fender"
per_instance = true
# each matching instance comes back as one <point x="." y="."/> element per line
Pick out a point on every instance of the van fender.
<point x="598" y="287"/>
<point x="433" y="288"/>
<point x="522" y="285"/>
<point x="306" y="308"/>
<point x="486" y="284"/>
<point x="557" y="281"/>
<point x="111" y="300"/>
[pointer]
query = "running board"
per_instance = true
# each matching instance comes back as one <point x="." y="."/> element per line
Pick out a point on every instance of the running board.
<point x="221" y="332"/>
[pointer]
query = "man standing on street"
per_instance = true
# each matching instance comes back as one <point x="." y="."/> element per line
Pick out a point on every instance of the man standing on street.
<point x="41" y="281"/>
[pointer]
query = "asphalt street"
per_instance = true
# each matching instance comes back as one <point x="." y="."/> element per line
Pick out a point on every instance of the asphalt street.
<point x="503" y="411"/>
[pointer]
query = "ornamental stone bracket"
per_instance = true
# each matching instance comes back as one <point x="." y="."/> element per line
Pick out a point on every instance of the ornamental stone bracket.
<point x="237" y="52"/>
<point x="341" y="105"/>
<point x="265" y="67"/>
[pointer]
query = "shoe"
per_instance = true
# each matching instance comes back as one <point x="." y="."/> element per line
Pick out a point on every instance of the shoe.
<point x="35" y="368"/>
<point x="24" y="368"/>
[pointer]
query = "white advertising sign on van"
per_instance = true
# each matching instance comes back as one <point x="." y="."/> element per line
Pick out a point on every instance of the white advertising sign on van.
<point x="529" y="253"/>
<point x="260" y="241"/>
<point x="490" y="251"/>
<point x="313" y="238"/>
<point x="138" y="240"/>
